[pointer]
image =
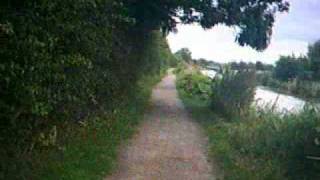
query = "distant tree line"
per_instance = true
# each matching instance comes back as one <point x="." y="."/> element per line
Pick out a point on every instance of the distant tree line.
<point x="184" y="54"/>
<point x="289" y="67"/>
<point x="302" y="67"/>
<point x="259" y="66"/>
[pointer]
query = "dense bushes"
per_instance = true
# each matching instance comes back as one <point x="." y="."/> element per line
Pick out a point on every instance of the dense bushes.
<point x="65" y="61"/>
<point x="234" y="92"/>
<point x="54" y="65"/>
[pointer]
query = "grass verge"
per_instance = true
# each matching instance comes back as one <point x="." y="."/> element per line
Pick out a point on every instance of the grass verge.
<point x="261" y="145"/>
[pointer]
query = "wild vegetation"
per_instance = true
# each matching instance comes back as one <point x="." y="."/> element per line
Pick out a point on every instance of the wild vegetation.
<point x="68" y="69"/>
<point x="231" y="97"/>
<point x="195" y="84"/>
<point x="259" y="144"/>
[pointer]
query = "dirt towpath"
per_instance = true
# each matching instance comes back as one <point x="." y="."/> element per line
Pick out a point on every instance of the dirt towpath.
<point x="168" y="145"/>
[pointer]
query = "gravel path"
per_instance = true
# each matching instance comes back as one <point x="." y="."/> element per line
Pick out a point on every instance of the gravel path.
<point x="168" y="145"/>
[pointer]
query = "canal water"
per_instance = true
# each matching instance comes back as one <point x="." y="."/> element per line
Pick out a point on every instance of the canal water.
<point x="265" y="97"/>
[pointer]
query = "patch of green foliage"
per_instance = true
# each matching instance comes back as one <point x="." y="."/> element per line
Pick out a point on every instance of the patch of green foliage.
<point x="279" y="145"/>
<point x="183" y="54"/>
<point x="261" y="145"/>
<point x="314" y="59"/>
<point x="195" y="84"/>
<point x="232" y="94"/>
<point x="288" y="68"/>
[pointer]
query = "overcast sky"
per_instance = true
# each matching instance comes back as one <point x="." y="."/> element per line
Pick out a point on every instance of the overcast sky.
<point x="292" y="34"/>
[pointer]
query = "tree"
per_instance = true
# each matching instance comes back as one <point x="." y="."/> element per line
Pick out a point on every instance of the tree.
<point x="243" y="65"/>
<point x="203" y="62"/>
<point x="254" y="18"/>
<point x="184" y="54"/>
<point x="259" y="66"/>
<point x="288" y="67"/>
<point x="314" y="57"/>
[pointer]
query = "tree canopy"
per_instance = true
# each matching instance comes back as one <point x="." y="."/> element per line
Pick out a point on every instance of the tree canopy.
<point x="254" y="18"/>
<point x="184" y="54"/>
<point x="314" y="57"/>
<point x="289" y="67"/>
<point x="302" y="67"/>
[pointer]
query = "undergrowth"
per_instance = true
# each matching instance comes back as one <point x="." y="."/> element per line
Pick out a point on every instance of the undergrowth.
<point x="261" y="145"/>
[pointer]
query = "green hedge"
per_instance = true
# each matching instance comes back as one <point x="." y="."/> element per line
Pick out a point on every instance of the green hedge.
<point x="64" y="61"/>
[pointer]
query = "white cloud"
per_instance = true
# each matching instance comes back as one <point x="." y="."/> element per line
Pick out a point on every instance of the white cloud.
<point x="292" y="34"/>
<point x="218" y="44"/>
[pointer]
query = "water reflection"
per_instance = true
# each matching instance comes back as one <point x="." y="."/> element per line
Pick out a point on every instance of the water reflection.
<point x="283" y="103"/>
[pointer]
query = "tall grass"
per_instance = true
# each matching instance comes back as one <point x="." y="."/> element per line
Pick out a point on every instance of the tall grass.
<point x="277" y="146"/>
<point x="233" y="93"/>
<point x="260" y="145"/>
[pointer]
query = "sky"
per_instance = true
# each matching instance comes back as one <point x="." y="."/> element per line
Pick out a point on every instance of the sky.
<point x="292" y="33"/>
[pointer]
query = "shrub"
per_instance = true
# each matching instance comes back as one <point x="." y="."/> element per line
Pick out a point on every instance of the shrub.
<point x="181" y="66"/>
<point x="195" y="84"/>
<point x="232" y="94"/>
